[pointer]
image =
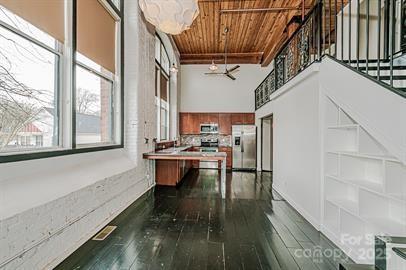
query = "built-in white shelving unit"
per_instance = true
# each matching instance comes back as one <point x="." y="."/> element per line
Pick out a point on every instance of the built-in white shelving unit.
<point x="364" y="186"/>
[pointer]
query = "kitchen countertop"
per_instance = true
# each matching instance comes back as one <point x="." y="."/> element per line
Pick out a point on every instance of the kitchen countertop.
<point x="181" y="153"/>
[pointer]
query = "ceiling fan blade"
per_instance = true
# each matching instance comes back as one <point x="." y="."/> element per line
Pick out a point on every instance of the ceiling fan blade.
<point x="213" y="73"/>
<point x="230" y="76"/>
<point x="233" y="68"/>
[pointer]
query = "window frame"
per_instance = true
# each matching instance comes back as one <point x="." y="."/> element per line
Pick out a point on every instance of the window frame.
<point x="159" y="103"/>
<point x="67" y="94"/>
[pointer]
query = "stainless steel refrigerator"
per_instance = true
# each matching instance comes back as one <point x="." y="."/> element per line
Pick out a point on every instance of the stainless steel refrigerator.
<point x="244" y="147"/>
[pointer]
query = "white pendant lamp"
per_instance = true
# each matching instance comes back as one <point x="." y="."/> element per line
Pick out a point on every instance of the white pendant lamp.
<point x="213" y="67"/>
<point x="170" y="16"/>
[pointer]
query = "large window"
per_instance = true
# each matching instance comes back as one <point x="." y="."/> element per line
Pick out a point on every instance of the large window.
<point x="36" y="80"/>
<point x="97" y="87"/>
<point x="162" y="90"/>
<point x="30" y="60"/>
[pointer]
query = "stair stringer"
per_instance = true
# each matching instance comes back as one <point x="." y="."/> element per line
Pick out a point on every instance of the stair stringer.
<point x="381" y="112"/>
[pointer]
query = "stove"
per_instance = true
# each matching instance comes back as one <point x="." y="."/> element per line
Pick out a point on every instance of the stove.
<point x="209" y="145"/>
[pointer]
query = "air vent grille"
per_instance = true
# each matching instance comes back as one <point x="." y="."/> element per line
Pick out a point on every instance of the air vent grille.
<point x="104" y="233"/>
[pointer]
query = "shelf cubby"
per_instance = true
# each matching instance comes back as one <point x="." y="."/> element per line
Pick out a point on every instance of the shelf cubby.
<point x="388" y="216"/>
<point x="365" y="172"/>
<point x="395" y="175"/>
<point x="331" y="164"/>
<point x="341" y="194"/>
<point x="364" y="186"/>
<point x="368" y="145"/>
<point x="342" y="138"/>
<point x="345" y="119"/>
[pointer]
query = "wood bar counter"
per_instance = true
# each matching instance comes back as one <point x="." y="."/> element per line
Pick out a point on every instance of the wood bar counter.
<point x="175" y="162"/>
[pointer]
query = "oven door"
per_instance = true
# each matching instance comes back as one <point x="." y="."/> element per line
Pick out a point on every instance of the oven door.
<point x="203" y="164"/>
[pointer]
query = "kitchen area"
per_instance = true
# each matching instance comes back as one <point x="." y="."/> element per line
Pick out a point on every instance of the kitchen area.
<point x="214" y="132"/>
<point x="209" y="141"/>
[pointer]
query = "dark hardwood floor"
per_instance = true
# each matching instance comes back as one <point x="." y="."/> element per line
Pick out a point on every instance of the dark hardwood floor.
<point x="191" y="227"/>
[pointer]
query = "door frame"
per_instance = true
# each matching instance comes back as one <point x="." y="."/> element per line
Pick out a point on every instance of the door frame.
<point x="269" y="117"/>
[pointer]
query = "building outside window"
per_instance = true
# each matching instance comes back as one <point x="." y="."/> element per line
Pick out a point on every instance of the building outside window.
<point x="162" y="90"/>
<point x="30" y="60"/>
<point x="36" y="75"/>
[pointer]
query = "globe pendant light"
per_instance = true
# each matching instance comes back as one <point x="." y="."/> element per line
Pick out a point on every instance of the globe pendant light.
<point x="170" y="16"/>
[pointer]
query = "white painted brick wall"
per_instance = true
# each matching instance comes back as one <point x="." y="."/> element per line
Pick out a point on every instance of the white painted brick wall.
<point x="43" y="236"/>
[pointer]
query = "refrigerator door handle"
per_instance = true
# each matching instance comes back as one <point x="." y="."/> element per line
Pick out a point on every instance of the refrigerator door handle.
<point x="242" y="142"/>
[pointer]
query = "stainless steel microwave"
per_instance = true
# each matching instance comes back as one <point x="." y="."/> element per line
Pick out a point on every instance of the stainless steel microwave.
<point x="209" y="129"/>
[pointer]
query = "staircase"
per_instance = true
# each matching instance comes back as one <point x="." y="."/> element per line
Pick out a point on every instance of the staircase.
<point x="383" y="72"/>
<point x="365" y="132"/>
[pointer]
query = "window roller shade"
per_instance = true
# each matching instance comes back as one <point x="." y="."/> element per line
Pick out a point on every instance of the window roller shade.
<point x="47" y="15"/>
<point x="96" y="33"/>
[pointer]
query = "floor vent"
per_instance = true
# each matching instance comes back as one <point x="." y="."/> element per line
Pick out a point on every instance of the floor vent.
<point x="104" y="233"/>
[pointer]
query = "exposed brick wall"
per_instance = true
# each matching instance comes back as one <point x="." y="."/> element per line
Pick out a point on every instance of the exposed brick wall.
<point x="43" y="236"/>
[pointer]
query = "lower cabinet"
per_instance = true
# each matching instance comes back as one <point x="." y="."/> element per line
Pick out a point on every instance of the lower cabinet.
<point x="171" y="172"/>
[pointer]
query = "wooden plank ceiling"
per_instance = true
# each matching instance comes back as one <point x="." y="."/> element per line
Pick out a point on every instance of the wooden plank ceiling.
<point x="254" y="36"/>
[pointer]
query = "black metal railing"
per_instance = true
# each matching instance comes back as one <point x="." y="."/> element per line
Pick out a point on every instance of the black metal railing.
<point x="367" y="35"/>
<point x="302" y="49"/>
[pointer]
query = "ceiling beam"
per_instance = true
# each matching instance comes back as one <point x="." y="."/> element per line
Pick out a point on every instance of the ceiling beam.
<point x="218" y="58"/>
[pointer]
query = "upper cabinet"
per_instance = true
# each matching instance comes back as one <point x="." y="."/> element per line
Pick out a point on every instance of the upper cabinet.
<point x="249" y="118"/>
<point x="243" y="119"/>
<point x="189" y="123"/>
<point x="237" y="118"/>
<point x="209" y="118"/>
<point x="225" y="123"/>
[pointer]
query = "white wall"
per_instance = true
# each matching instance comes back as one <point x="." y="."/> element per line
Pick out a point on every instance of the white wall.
<point x="296" y="155"/>
<point x="49" y="207"/>
<point x="303" y="137"/>
<point x="203" y="93"/>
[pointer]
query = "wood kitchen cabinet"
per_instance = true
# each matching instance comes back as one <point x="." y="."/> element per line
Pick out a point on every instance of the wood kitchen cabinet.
<point x="249" y="119"/>
<point x="225" y="123"/>
<point x="189" y="123"/>
<point x="209" y="118"/>
<point x="195" y="124"/>
<point x="237" y="118"/>
<point x="184" y="126"/>
<point x="171" y="172"/>
<point x="167" y="172"/>
<point x="243" y="119"/>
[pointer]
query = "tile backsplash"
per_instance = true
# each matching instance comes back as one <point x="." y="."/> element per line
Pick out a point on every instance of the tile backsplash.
<point x="224" y="140"/>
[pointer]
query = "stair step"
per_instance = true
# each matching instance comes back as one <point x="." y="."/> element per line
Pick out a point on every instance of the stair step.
<point x="374" y="68"/>
<point x="401" y="252"/>
<point x="364" y="61"/>
<point x="387" y="77"/>
<point x="357" y="267"/>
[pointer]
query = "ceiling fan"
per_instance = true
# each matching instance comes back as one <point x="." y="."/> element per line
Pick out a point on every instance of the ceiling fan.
<point x="227" y="72"/>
